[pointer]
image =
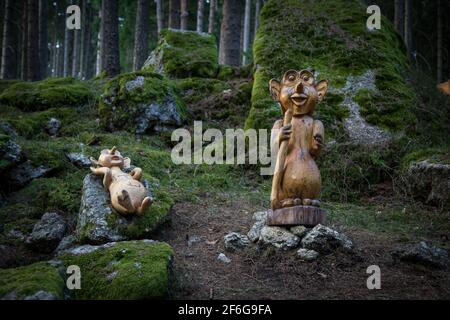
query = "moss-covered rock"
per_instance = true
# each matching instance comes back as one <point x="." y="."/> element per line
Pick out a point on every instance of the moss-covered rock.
<point x="5" y="84"/>
<point x="41" y="95"/>
<point x="122" y="270"/>
<point x="141" y="102"/>
<point x="40" y="280"/>
<point x="182" y="54"/>
<point x="331" y="37"/>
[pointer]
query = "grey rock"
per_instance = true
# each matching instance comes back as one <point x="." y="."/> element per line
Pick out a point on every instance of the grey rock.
<point x="222" y="257"/>
<point x="15" y="234"/>
<point x="95" y="217"/>
<point x="194" y="239"/>
<point x="234" y="241"/>
<point x="423" y="253"/>
<point x="260" y="217"/>
<point x="157" y="116"/>
<point x="41" y="295"/>
<point x="307" y="255"/>
<point x="66" y="243"/>
<point x="325" y="240"/>
<point x="279" y="237"/>
<point x="11" y="152"/>
<point x="429" y="182"/>
<point x="53" y="126"/>
<point x="299" y="231"/>
<point x="47" y="233"/>
<point x="359" y="131"/>
<point x="79" y="160"/>
<point x="24" y="173"/>
<point x="134" y="84"/>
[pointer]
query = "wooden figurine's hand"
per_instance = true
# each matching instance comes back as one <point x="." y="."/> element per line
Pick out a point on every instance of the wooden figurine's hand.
<point x="285" y="133"/>
<point x="136" y="174"/>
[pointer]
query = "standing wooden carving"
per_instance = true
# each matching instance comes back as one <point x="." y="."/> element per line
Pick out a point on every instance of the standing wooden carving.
<point x="128" y="194"/>
<point x="296" y="182"/>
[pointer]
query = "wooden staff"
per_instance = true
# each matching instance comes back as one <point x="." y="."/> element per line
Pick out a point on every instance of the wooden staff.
<point x="279" y="166"/>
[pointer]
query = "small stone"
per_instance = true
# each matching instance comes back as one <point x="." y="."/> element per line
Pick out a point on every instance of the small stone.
<point x="279" y="237"/>
<point x="136" y="83"/>
<point x="79" y="160"/>
<point x="255" y="231"/>
<point x="66" y="243"/>
<point x="53" y="126"/>
<point x="307" y="255"/>
<point x="325" y="240"/>
<point x="260" y="216"/>
<point x="194" y="239"/>
<point x="222" y="257"/>
<point x="47" y="233"/>
<point x="41" y="295"/>
<point x="24" y="173"/>
<point x="299" y="231"/>
<point x="423" y="253"/>
<point x="234" y="241"/>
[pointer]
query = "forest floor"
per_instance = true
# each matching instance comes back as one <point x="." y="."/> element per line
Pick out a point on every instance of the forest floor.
<point x="196" y="234"/>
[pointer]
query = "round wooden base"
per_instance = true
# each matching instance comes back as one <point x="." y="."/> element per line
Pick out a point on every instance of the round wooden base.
<point x="294" y="216"/>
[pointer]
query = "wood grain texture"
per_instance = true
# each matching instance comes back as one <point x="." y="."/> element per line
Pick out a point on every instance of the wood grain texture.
<point x="298" y="215"/>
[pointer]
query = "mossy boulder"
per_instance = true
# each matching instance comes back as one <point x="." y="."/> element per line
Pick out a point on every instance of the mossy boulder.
<point x="182" y="54"/>
<point x="123" y="270"/>
<point x="332" y="38"/>
<point x="38" y="281"/>
<point x="42" y="95"/>
<point x="99" y="223"/>
<point x="141" y="102"/>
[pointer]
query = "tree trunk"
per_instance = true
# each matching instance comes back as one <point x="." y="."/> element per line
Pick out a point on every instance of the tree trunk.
<point x="61" y="21"/>
<point x="440" y="32"/>
<point x="76" y="53"/>
<point x="246" y="46"/>
<point x="110" y="39"/>
<point x="159" y="15"/>
<point x="174" y="14"/>
<point x="85" y="38"/>
<point x="33" y="62"/>
<point x="212" y="16"/>
<point x="68" y="52"/>
<point x="9" y="64"/>
<point x="141" y="34"/>
<point x="24" y="44"/>
<point x="99" y="59"/>
<point x="184" y="14"/>
<point x="399" y="17"/>
<point x="200" y="10"/>
<point x="230" y="33"/>
<point x="257" y="13"/>
<point x="43" y="37"/>
<point x="408" y="26"/>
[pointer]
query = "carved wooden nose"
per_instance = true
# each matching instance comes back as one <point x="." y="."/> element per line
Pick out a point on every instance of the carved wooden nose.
<point x="299" y="88"/>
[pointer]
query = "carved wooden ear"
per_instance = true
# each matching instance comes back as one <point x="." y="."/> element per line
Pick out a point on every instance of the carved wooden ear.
<point x="275" y="88"/>
<point x="126" y="162"/>
<point x="322" y="87"/>
<point x="94" y="162"/>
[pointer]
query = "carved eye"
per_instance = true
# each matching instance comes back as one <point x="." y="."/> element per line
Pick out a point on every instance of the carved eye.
<point x="306" y="78"/>
<point x="291" y="77"/>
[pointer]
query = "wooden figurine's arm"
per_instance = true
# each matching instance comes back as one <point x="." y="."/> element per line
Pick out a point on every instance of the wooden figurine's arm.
<point x="318" y="138"/>
<point x="274" y="138"/>
<point x="106" y="173"/>
<point x="136" y="174"/>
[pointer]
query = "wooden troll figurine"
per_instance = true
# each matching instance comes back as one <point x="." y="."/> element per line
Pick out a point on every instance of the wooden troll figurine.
<point x="128" y="194"/>
<point x="296" y="180"/>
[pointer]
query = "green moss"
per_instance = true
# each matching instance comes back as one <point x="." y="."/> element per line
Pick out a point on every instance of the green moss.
<point x="5" y="84"/>
<point x="195" y="89"/>
<point x="187" y="54"/>
<point x="28" y="280"/>
<point x="127" y="270"/>
<point x="41" y="95"/>
<point x="330" y="37"/>
<point x="434" y="155"/>
<point x="119" y="107"/>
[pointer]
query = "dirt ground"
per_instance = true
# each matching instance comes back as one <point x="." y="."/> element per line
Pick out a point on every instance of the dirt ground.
<point x="196" y="234"/>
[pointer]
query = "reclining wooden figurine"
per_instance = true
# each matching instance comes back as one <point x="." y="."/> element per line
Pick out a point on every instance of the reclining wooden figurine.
<point x="128" y="194"/>
<point x="296" y="182"/>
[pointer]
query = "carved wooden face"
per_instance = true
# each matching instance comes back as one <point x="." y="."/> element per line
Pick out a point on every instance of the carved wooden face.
<point x="445" y="87"/>
<point x="298" y="91"/>
<point x="112" y="158"/>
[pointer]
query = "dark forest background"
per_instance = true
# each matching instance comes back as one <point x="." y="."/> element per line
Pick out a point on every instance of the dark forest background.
<point x="36" y="44"/>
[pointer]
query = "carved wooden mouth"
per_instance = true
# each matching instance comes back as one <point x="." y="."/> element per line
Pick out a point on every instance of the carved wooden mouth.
<point x="299" y="99"/>
<point x="115" y="158"/>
